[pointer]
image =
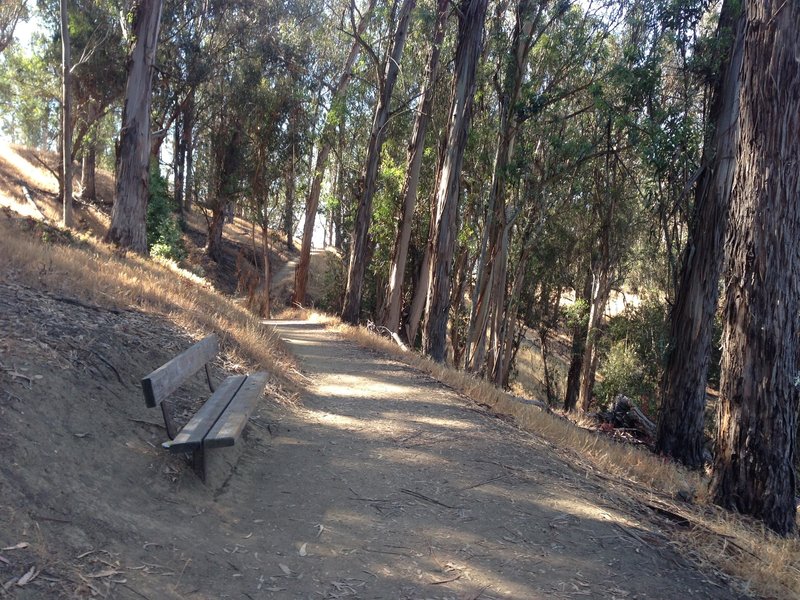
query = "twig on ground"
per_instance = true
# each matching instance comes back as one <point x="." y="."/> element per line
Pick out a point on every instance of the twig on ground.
<point x="428" y="499"/>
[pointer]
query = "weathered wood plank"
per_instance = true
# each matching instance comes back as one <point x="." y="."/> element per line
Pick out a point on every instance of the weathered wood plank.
<point x="229" y="426"/>
<point x="192" y="434"/>
<point x="169" y="377"/>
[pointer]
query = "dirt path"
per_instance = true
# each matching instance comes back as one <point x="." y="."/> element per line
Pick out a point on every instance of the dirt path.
<point x="397" y="488"/>
<point x="380" y="484"/>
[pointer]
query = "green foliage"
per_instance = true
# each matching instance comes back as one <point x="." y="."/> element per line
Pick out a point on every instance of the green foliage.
<point x="623" y="373"/>
<point x="163" y="230"/>
<point x="334" y="281"/>
<point x="635" y="343"/>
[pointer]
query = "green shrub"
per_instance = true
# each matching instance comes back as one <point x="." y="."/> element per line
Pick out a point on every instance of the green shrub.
<point x="163" y="229"/>
<point x="623" y="374"/>
<point x="632" y="362"/>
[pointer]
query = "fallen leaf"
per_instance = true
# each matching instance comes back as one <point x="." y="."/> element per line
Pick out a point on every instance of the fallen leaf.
<point x="274" y="589"/>
<point x="3" y="559"/>
<point x="19" y="546"/>
<point x="248" y="536"/>
<point x="303" y="550"/>
<point x="28" y="577"/>
<point x="285" y="569"/>
<point x="321" y="529"/>
<point x="104" y="573"/>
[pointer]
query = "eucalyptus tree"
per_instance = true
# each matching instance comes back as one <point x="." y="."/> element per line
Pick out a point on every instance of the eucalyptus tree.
<point x="11" y="13"/>
<point x="471" y="18"/>
<point x="337" y="98"/>
<point x="754" y="467"/>
<point x="681" y="420"/>
<point x="408" y="196"/>
<point x="387" y="71"/>
<point x="130" y="203"/>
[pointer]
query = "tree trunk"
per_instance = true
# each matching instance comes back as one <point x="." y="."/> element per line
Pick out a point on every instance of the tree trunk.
<point x="578" y="346"/>
<point x="489" y="297"/>
<point x="472" y="14"/>
<point x="325" y="143"/>
<point x="358" y="248"/>
<point x="188" y="137"/>
<point x="683" y="389"/>
<point x="88" y="172"/>
<point x="178" y="162"/>
<point x="288" y="207"/>
<point x="416" y="151"/>
<point x="754" y="470"/>
<point x="66" y="118"/>
<point x="601" y="288"/>
<point x="130" y="204"/>
<point x="227" y="164"/>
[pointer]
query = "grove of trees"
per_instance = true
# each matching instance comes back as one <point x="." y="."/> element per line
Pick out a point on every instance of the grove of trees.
<point x="476" y="163"/>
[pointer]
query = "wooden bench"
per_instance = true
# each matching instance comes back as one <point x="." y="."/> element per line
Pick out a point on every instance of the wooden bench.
<point x="220" y="421"/>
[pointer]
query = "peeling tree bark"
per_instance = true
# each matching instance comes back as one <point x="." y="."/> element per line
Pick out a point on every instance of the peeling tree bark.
<point x="754" y="470"/>
<point x="130" y="204"/>
<point x="416" y="150"/>
<point x="369" y="180"/>
<point x="472" y="15"/>
<point x="683" y="388"/>
<point x="325" y="144"/>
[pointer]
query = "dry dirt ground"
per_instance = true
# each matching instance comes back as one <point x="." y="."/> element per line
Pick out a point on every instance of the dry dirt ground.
<point x="379" y="483"/>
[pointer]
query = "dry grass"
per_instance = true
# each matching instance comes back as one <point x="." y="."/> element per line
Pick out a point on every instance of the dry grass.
<point x="763" y="563"/>
<point x="93" y="272"/>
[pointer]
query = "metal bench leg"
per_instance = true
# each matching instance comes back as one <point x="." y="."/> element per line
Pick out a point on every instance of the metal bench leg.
<point x="199" y="462"/>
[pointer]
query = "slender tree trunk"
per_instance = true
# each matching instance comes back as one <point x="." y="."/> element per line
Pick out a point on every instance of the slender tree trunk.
<point x="288" y="207"/>
<point x="754" y="468"/>
<point x="578" y="346"/>
<point x="601" y="288"/>
<point x="325" y="143"/>
<point x="188" y="140"/>
<point x="358" y="248"/>
<point x="179" y="161"/>
<point x="66" y="118"/>
<point x="683" y="388"/>
<point x="266" y="307"/>
<point x="416" y="151"/>
<point x="130" y="204"/>
<point x="88" y="172"/>
<point x="472" y="15"/>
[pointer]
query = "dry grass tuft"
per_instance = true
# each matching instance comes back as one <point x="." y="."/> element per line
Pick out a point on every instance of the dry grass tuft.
<point x="735" y="546"/>
<point x="91" y="271"/>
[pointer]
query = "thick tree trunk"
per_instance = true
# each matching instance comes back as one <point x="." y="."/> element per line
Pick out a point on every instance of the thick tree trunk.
<point x="66" y="118"/>
<point x="178" y="162"/>
<point x="472" y="14"/>
<point x="416" y="151"/>
<point x="369" y="180"/>
<point x="683" y="390"/>
<point x="130" y="204"/>
<point x="325" y="143"/>
<point x="754" y="469"/>
<point x="228" y="164"/>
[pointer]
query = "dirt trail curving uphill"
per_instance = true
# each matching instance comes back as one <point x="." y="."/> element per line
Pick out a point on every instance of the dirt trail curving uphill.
<point x="408" y="491"/>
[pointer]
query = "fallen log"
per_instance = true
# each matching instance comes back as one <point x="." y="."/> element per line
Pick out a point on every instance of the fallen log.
<point x="624" y="413"/>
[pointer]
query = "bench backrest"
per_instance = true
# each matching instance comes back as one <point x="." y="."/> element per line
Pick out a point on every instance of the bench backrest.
<point x="169" y="377"/>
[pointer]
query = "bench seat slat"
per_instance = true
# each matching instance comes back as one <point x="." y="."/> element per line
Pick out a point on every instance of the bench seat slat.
<point x="169" y="377"/>
<point x="192" y="434"/>
<point x="229" y="426"/>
